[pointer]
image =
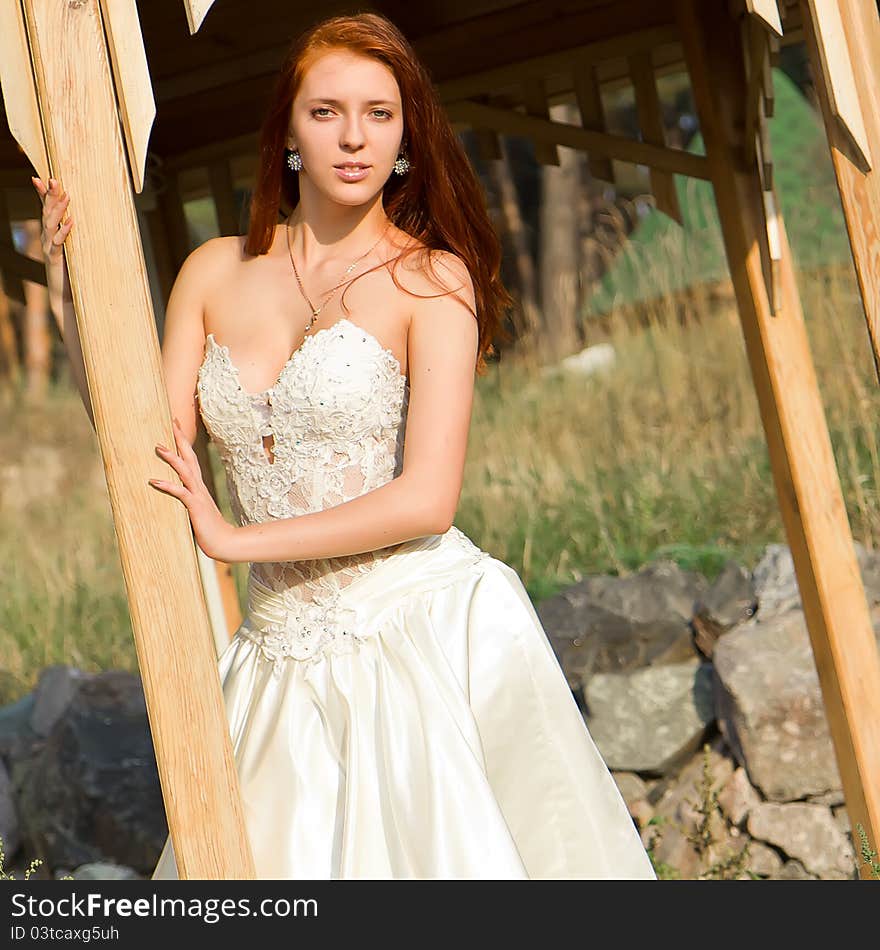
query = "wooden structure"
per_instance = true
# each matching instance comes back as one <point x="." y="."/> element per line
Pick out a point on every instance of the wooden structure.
<point x="138" y="111"/>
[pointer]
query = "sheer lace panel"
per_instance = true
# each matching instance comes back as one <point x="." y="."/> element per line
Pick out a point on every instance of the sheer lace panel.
<point x="330" y="429"/>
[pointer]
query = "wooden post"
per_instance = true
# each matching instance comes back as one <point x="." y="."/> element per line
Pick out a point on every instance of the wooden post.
<point x="178" y="663"/>
<point x="810" y="497"/>
<point x="859" y="187"/>
<point x="170" y="236"/>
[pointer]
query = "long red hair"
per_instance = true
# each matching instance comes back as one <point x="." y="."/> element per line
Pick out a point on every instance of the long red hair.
<point x="439" y="201"/>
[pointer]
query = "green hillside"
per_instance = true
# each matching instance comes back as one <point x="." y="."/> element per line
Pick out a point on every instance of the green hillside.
<point x="660" y="257"/>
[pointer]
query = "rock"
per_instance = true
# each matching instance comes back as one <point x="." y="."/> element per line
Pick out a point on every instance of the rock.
<point x="792" y="871"/>
<point x="9" y="830"/>
<point x="16" y="734"/>
<point x="670" y="847"/>
<point x="631" y="787"/>
<point x="730" y="600"/>
<point x="607" y="624"/>
<point x="92" y="793"/>
<point x="738" y="797"/>
<point x="831" y="799"/>
<point x="841" y="818"/>
<point x="775" y="583"/>
<point x="651" y="720"/>
<point x="770" y="709"/>
<point x="640" y="812"/>
<point x="104" y="871"/>
<point x="635" y="794"/>
<point x="679" y="802"/>
<point x="806" y="833"/>
<point x="55" y="689"/>
<point x="762" y="859"/>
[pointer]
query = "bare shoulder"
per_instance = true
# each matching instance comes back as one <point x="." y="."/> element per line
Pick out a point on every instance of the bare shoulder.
<point x="212" y="255"/>
<point x="431" y="272"/>
<point x="442" y="326"/>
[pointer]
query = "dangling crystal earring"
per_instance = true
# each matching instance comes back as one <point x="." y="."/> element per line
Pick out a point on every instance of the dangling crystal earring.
<point x="294" y="160"/>
<point x="401" y="166"/>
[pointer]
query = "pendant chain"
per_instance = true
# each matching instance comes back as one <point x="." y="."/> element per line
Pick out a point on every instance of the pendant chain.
<point x="332" y="291"/>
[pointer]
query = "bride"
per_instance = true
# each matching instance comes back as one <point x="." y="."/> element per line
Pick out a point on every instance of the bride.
<point x="395" y="707"/>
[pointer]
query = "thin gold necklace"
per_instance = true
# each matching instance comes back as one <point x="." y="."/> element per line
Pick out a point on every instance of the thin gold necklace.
<point x="332" y="291"/>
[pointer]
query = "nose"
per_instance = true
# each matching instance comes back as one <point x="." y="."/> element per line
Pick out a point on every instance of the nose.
<point x="352" y="138"/>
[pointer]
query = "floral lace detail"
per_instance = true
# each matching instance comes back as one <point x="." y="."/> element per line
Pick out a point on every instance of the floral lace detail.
<point x="307" y="633"/>
<point x="336" y="419"/>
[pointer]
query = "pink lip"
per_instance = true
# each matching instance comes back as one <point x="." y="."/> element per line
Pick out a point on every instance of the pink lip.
<point x="352" y="172"/>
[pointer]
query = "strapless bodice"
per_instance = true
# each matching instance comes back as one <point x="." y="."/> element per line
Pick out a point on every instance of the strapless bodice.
<point x="336" y="416"/>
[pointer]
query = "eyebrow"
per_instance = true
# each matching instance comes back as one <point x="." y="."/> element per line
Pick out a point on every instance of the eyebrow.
<point x="371" y="102"/>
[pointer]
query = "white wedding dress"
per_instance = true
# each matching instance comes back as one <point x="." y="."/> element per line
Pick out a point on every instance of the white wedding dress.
<point x="399" y="713"/>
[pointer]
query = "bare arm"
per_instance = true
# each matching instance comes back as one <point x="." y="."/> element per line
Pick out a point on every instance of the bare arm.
<point x="55" y="202"/>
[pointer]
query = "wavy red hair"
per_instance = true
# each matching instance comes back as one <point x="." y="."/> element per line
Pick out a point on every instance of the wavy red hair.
<point x="439" y="202"/>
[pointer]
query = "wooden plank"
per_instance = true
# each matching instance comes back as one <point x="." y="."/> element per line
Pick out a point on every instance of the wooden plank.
<point x="137" y="108"/>
<point x="767" y="13"/>
<point x="755" y="48"/>
<point x="588" y="95"/>
<point x="650" y="115"/>
<point x="837" y="75"/>
<point x="859" y="191"/>
<point x="16" y="80"/>
<point x="573" y="136"/>
<point x="801" y="455"/>
<point x="196" y="11"/>
<point x="535" y="99"/>
<point x="562" y="61"/>
<point x="172" y="634"/>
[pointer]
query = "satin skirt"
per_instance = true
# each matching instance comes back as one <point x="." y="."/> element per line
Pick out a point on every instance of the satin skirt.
<point x="447" y="744"/>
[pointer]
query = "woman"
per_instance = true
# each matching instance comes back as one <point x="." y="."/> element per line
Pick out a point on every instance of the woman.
<point x="395" y="707"/>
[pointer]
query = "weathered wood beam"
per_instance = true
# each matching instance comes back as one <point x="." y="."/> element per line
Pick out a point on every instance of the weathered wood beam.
<point x="650" y="115"/>
<point x="801" y="455"/>
<point x="623" y="149"/>
<point x="173" y="637"/>
<point x="837" y="74"/>
<point x="588" y="94"/>
<point x="858" y="184"/>
<point x="535" y="99"/>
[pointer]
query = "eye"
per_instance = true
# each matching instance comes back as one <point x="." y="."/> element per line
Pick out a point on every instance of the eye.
<point x="320" y="109"/>
<point x="385" y="111"/>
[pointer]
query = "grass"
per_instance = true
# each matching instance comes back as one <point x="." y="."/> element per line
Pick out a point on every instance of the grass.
<point x="662" y="457"/>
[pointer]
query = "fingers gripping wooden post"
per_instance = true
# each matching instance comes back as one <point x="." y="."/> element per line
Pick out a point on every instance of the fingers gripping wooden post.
<point x="807" y="484"/>
<point x="175" y="649"/>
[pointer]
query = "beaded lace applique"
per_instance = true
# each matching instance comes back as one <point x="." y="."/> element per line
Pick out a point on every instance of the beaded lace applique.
<point x="336" y="416"/>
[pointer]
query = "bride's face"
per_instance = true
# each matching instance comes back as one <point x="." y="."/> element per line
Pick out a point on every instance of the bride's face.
<point x="347" y="109"/>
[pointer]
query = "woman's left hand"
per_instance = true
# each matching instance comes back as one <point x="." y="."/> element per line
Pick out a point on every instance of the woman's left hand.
<point x="213" y="533"/>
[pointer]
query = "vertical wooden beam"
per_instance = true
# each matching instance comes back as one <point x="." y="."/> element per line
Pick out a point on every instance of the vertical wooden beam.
<point x="650" y="112"/>
<point x="170" y="234"/>
<point x="589" y="99"/>
<point x="801" y="456"/>
<point x="857" y="178"/>
<point x="535" y="98"/>
<point x="176" y="654"/>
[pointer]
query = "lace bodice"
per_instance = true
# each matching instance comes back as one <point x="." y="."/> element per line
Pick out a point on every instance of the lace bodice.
<point x="330" y="428"/>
